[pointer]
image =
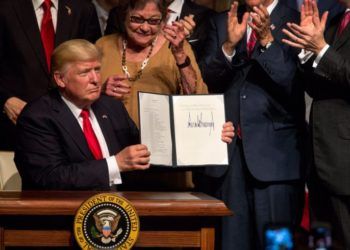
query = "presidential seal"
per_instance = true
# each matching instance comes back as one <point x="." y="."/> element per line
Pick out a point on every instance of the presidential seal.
<point x="106" y="221"/>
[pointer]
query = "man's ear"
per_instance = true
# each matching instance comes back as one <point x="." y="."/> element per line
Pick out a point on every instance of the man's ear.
<point x="59" y="79"/>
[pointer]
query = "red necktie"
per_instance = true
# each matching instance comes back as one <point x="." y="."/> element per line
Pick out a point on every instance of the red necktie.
<point x="90" y="136"/>
<point x="47" y="32"/>
<point x="251" y="43"/>
<point x="344" y="22"/>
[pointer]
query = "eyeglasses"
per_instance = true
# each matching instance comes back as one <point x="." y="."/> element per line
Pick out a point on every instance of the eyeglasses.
<point x="141" y="20"/>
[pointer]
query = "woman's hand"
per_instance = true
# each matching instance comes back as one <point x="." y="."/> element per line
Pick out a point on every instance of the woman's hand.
<point x="116" y="87"/>
<point x="228" y="132"/>
<point x="176" y="35"/>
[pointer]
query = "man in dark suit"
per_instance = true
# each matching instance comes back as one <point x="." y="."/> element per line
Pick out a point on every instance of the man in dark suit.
<point x="263" y="183"/>
<point x="24" y="70"/>
<point x="72" y="138"/>
<point x="326" y="65"/>
<point x="181" y="9"/>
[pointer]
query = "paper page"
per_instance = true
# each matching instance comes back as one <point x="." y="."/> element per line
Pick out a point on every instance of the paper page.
<point x="198" y="121"/>
<point x="155" y="127"/>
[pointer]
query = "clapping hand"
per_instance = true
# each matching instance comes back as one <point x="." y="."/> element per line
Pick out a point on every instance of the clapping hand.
<point x="309" y="35"/>
<point x="260" y="23"/>
<point x="175" y="34"/>
<point x="235" y="30"/>
<point x="189" y="24"/>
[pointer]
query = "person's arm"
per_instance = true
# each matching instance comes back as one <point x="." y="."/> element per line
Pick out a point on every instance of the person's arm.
<point x="9" y="104"/>
<point x="224" y="34"/>
<point x="278" y="60"/>
<point x="335" y="67"/>
<point x="175" y="34"/>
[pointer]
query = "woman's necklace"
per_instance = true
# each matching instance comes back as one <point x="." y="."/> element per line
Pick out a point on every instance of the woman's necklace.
<point x="143" y="65"/>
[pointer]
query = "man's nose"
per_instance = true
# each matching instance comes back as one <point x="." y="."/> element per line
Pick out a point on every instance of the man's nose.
<point x="94" y="76"/>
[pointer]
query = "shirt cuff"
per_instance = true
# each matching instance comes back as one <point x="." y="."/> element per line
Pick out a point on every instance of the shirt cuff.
<point x="113" y="170"/>
<point x="320" y="55"/>
<point x="228" y="57"/>
<point x="304" y="56"/>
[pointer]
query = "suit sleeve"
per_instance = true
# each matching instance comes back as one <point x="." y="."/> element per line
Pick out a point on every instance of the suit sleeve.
<point x="335" y="68"/>
<point x="216" y="70"/>
<point x="43" y="162"/>
<point x="279" y="62"/>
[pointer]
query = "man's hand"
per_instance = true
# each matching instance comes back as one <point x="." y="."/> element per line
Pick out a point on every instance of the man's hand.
<point x="13" y="107"/>
<point x="228" y="132"/>
<point x="309" y="35"/>
<point x="114" y="86"/>
<point x="135" y="157"/>
<point x="235" y="30"/>
<point x="189" y="24"/>
<point x="261" y="24"/>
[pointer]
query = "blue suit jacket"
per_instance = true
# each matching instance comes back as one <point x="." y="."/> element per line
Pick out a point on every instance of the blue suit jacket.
<point x="52" y="153"/>
<point x="261" y="96"/>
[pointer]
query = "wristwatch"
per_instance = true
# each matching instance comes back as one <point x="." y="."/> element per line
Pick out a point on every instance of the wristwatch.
<point x="186" y="63"/>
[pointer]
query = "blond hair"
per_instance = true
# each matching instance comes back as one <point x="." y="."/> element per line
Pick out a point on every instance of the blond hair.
<point x="73" y="51"/>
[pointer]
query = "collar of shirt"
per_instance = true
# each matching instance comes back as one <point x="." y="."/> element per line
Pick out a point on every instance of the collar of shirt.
<point x="37" y="4"/>
<point x="176" y="6"/>
<point x="269" y="8"/>
<point x="74" y="108"/>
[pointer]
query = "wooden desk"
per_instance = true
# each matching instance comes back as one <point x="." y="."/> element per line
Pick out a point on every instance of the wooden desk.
<point x="168" y="219"/>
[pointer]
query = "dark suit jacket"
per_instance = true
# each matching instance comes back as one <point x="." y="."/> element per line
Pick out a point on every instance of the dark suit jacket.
<point x="197" y="39"/>
<point x="333" y="6"/>
<point x="51" y="151"/>
<point x="329" y="85"/>
<point x="261" y="96"/>
<point x="23" y="69"/>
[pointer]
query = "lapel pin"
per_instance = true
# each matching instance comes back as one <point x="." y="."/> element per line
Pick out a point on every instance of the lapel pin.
<point x="104" y="117"/>
<point x="69" y="10"/>
<point x="272" y="26"/>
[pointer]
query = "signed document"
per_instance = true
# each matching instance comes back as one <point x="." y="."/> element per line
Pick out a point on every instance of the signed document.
<point x="183" y="130"/>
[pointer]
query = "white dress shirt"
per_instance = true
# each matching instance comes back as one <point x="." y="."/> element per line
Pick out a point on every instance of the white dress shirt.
<point x="174" y="9"/>
<point x="270" y="8"/>
<point x="39" y="12"/>
<point x="113" y="169"/>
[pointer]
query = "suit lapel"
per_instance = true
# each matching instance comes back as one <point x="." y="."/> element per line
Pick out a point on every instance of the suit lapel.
<point x="277" y="19"/>
<point x="26" y="15"/>
<point x="106" y="127"/>
<point x="69" y="123"/>
<point x="345" y="36"/>
<point x="65" y="16"/>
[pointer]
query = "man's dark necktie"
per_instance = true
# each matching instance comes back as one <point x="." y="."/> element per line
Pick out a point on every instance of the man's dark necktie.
<point x="90" y="135"/>
<point x="47" y="32"/>
<point x="344" y="22"/>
